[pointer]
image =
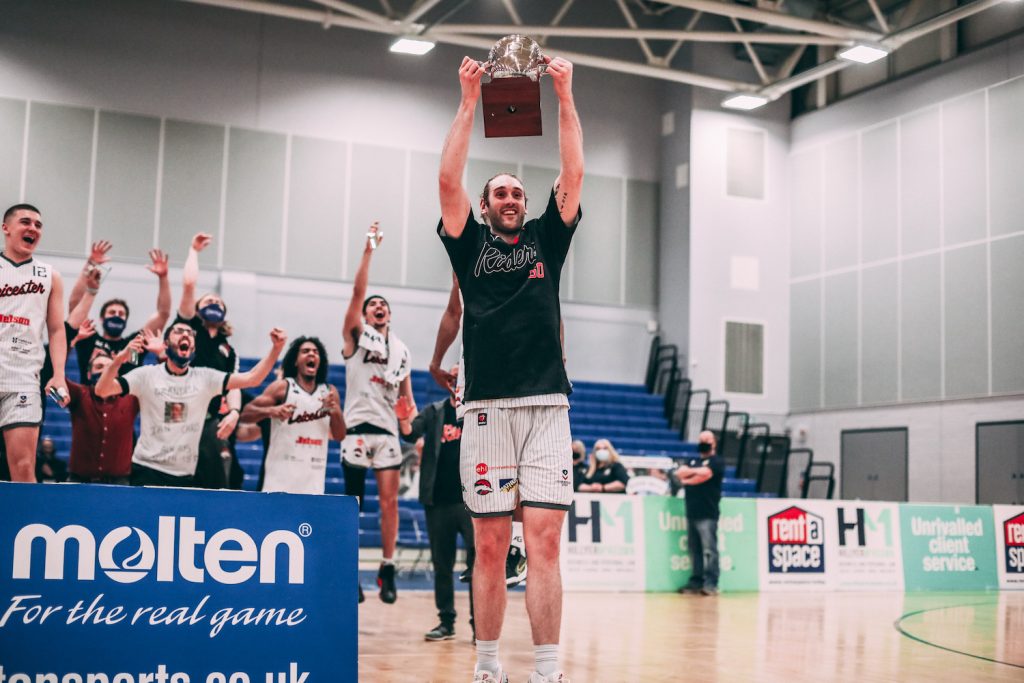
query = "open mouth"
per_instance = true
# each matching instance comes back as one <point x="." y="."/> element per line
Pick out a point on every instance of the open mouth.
<point x="183" y="347"/>
<point x="379" y="315"/>
<point x="28" y="239"/>
<point x="311" y="365"/>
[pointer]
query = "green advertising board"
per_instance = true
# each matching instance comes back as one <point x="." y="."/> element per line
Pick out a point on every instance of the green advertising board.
<point x="947" y="547"/>
<point x="667" y="559"/>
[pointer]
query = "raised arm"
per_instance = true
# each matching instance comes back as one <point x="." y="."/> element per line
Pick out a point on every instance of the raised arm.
<point x="353" y="325"/>
<point x="97" y="257"/>
<point x="269" y="404"/>
<point x="259" y="372"/>
<point x="58" y="338"/>
<point x="447" y="331"/>
<point x="569" y="183"/>
<point x="332" y="404"/>
<point x="80" y="312"/>
<point x="455" y="204"/>
<point x="107" y="385"/>
<point x="158" y="267"/>
<point x="190" y="276"/>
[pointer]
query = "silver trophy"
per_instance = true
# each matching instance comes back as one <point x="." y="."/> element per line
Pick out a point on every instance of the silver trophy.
<point x="516" y="55"/>
<point x="511" y="100"/>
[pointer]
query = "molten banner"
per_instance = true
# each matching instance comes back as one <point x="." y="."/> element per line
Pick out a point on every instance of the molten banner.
<point x="179" y="585"/>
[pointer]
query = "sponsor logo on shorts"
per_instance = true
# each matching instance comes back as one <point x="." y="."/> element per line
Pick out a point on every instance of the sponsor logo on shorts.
<point x="23" y="399"/>
<point x="482" y="487"/>
<point x="796" y="542"/>
<point x="506" y="485"/>
<point x="565" y="474"/>
<point x="481" y="419"/>
<point x="481" y="468"/>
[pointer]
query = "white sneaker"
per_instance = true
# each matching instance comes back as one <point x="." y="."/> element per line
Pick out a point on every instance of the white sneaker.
<point x="557" y="677"/>
<point x="486" y="676"/>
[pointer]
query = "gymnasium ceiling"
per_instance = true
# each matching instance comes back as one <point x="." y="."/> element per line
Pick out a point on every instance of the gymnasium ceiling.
<point x="779" y="45"/>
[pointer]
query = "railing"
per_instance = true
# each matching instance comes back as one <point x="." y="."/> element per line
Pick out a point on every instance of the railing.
<point x="694" y="414"/>
<point x="748" y="465"/>
<point x="800" y="460"/>
<point x="773" y="472"/>
<point x="820" y="479"/>
<point x="734" y="438"/>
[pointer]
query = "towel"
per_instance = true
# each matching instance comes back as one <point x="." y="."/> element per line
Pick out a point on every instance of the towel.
<point x="392" y="348"/>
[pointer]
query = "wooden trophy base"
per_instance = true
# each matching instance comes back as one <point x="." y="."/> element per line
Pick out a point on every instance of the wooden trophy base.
<point x="511" y="107"/>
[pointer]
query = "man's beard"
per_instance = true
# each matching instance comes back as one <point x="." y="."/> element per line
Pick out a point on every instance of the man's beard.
<point x="495" y="222"/>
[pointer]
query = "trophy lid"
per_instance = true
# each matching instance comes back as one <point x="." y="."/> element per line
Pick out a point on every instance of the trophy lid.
<point x="515" y="55"/>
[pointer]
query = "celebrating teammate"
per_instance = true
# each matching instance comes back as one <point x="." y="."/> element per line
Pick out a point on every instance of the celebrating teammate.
<point x="516" y="438"/>
<point x="377" y="371"/>
<point x="304" y="413"/>
<point x="173" y="397"/>
<point x="31" y="300"/>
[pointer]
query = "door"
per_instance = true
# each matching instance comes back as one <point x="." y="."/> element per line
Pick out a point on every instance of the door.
<point x="873" y="464"/>
<point x="999" y="462"/>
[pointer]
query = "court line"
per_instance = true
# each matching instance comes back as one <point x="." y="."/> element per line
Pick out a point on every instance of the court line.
<point x="899" y="627"/>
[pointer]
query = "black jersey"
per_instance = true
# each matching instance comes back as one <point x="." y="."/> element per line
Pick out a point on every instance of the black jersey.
<point x="510" y="328"/>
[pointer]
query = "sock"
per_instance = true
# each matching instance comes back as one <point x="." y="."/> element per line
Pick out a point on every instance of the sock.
<point x="487" y="656"/>
<point x="517" y="537"/>
<point x="546" y="657"/>
<point x="386" y="561"/>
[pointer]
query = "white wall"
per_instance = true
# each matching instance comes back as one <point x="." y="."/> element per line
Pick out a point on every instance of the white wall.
<point x="183" y="61"/>
<point x="942" y="433"/>
<point x="723" y="228"/>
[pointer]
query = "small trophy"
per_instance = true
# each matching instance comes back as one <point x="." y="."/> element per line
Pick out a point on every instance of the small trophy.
<point x="512" y="96"/>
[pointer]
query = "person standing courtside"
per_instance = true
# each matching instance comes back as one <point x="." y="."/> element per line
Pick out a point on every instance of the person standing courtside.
<point x="516" y="438"/>
<point x="441" y="496"/>
<point x="31" y="301"/>
<point x="304" y="413"/>
<point x="702" y="477"/>
<point x="377" y="368"/>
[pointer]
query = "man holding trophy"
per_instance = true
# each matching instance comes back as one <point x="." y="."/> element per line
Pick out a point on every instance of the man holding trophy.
<point x="516" y="443"/>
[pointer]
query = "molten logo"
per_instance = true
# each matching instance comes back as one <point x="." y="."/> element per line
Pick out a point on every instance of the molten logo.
<point x="177" y="545"/>
<point x="796" y="542"/>
<point x="1013" y="539"/>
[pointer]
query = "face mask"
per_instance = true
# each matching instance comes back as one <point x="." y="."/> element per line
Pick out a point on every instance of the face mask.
<point x="93" y="378"/>
<point x="212" y="313"/>
<point x="602" y="455"/>
<point x="179" y="360"/>
<point x="576" y="456"/>
<point x="704" y="447"/>
<point x="114" y="326"/>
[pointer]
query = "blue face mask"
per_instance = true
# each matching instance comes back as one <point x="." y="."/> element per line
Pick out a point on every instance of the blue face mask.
<point x="212" y="313"/>
<point x="114" y="326"/>
<point x="93" y="378"/>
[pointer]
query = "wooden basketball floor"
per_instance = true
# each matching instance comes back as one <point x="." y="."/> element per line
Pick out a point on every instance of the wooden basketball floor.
<point x="622" y="638"/>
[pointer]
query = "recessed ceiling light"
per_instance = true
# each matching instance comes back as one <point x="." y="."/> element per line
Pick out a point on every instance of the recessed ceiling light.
<point x="744" y="101"/>
<point x="409" y="45"/>
<point x="862" y="53"/>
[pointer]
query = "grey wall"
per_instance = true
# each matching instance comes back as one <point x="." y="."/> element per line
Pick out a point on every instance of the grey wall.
<point x="911" y="228"/>
<point x="145" y="121"/>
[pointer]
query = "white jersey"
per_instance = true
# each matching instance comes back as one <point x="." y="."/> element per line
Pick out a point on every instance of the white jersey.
<point x="368" y="396"/>
<point x="297" y="455"/>
<point x="173" y="410"/>
<point x="24" y="298"/>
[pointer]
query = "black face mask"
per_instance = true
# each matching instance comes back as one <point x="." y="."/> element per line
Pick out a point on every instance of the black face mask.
<point x="704" y="447"/>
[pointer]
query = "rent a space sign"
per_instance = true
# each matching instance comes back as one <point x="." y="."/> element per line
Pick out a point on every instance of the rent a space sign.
<point x="131" y="585"/>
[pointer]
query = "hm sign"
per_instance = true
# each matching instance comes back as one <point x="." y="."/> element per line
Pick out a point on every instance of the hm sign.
<point x="230" y="556"/>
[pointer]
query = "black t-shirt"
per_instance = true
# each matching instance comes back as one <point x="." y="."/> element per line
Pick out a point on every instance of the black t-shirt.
<point x="86" y="348"/>
<point x="211" y="352"/>
<point x="702" y="499"/>
<point x="510" y="328"/>
<point x="606" y="475"/>
<point x="448" y="482"/>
